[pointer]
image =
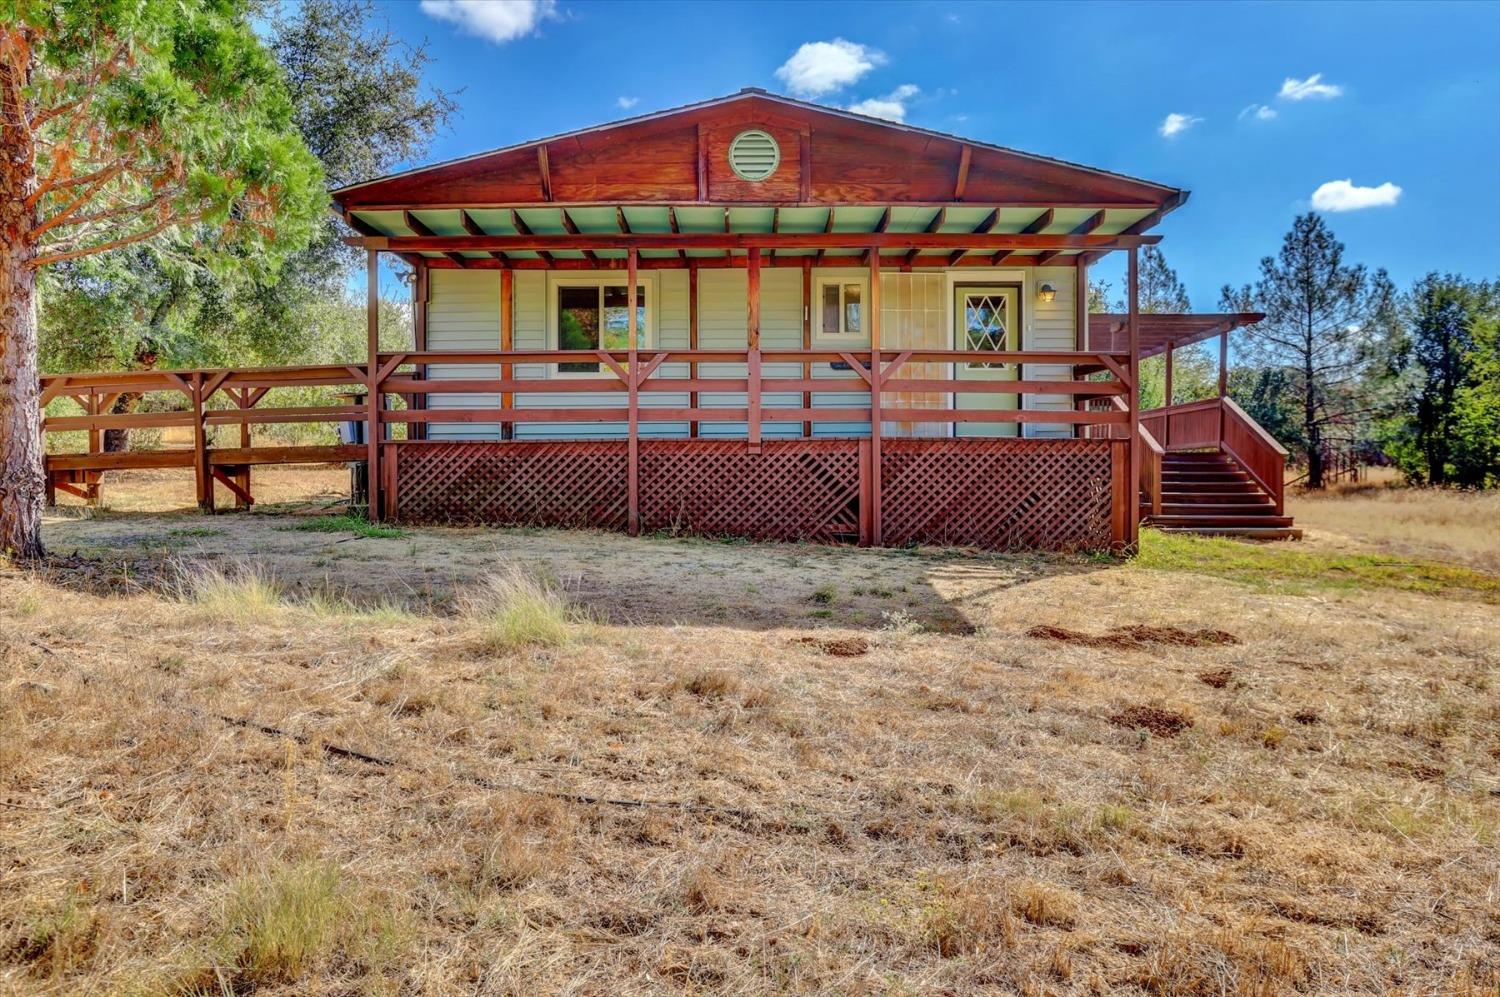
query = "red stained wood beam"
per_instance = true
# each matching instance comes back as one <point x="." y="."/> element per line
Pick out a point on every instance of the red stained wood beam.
<point x="965" y="152"/>
<point x="528" y="240"/>
<point x="416" y="225"/>
<point x="545" y="169"/>
<point x="1089" y="224"/>
<point x="572" y="229"/>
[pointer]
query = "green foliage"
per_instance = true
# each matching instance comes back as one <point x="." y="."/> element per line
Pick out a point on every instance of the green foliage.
<point x="1324" y="319"/>
<point x="352" y="91"/>
<point x="1444" y="374"/>
<point x="162" y="116"/>
<point x="1267" y="396"/>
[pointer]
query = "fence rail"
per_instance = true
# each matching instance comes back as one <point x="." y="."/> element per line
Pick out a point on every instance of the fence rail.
<point x="630" y="388"/>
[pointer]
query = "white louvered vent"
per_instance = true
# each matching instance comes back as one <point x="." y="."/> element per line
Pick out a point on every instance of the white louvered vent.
<point x="754" y="155"/>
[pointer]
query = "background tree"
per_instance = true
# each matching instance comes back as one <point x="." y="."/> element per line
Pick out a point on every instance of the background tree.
<point x="1322" y="320"/>
<point x="1434" y="366"/>
<point x="1162" y="293"/>
<point x="359" y="103"/>
<point x="124" y="121"/>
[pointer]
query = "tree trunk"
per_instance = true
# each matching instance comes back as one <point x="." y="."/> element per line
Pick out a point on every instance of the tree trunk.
<point x="1312" y="432"/>
<point x="22" y="478"/>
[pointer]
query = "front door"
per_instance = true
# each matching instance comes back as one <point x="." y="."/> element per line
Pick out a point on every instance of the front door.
<point x="987" y="317"/>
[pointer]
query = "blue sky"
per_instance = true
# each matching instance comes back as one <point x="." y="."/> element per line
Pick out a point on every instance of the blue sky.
<point x="1252" y="107"/>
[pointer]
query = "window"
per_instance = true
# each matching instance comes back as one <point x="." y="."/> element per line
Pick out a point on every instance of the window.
<point x="597" y="317"/>
<point x="841" y="305"/>
<point x="987" y="324"/>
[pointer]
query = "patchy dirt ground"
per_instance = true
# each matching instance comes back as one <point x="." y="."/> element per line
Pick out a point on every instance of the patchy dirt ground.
<point x="746" y="768"/>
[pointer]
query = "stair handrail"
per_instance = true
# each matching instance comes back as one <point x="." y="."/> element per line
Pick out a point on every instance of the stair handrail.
<point x="1152" y="453"/>
<point x="1256" y="450"/>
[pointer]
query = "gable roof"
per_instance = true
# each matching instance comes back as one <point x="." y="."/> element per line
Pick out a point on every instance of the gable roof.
<point x="828" y="156"/>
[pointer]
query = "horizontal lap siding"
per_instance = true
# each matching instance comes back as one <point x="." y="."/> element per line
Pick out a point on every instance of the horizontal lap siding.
<point x="723" y="322"/>
<point x="670" y="314"/>
<point x="463" y="313"/>
<point x="1051" y="329"/>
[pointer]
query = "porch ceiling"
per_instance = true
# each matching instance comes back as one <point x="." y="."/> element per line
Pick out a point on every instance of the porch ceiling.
<point x="1109" y="332"/>
<point x="704" y="219"/>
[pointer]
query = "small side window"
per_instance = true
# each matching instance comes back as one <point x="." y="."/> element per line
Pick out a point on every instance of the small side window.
<point x="841" y="306"/>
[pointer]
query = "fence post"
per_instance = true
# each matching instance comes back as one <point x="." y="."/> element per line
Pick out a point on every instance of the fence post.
<point x="201" y="470"/>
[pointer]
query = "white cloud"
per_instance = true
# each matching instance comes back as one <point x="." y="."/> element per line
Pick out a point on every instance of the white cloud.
<point x="1260" y="112"/>
<point x="1312" y="88"/>
<point x="626" y="103"/>
<point x="499" y="21"/>
<point x="819" y="68"/>
<point x="1343" y="195"/>
<point x="892" y="106"/>
<point x="1176" y="124"/>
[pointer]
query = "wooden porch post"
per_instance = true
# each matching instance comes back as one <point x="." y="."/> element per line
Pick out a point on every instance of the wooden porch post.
<point x="633" y="384"/>
<point x="807" y="307"/>
<point x="876" y="537"/>
<point x="1133" y="513"/>
<point x="421" y="294"/>
<point x="752" y="341"/>
<point x="507" y="342"/>
<point x="372" y="393"/>
<point x="693" y="341"/>
<point x="1166" y="428"/>
<point x="1080" y="326"/>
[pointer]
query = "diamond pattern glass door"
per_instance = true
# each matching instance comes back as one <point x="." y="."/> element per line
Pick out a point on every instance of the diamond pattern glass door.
<point x="986" y="325"/>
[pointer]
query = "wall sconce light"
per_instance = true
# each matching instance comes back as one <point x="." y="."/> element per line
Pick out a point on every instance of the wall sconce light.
<point x="1046" y="292"/>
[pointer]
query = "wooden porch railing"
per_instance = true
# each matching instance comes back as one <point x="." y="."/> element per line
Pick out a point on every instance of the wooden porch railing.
<point x="1220" y="424"/>
<point x="207" y="398"/>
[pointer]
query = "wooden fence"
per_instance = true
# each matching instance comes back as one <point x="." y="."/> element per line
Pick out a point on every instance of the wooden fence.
<point x="398" y="390"/>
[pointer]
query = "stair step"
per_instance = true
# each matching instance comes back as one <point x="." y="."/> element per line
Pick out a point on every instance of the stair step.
<point x="1217" y="520"/>
<point x="1218" y="508"/>
<point x="1204" y="475"/>
<point x="1213" y="498"/>
<point x="1240" y="532"/>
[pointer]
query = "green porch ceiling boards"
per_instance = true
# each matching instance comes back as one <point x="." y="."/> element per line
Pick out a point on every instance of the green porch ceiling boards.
<point x="851" y="219"/>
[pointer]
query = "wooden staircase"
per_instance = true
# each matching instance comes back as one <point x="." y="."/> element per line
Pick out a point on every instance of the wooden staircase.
<point x="1210" y="492"/>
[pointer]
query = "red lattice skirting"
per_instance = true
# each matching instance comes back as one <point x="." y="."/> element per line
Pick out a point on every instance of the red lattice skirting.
<point x="995" y="494"/>
<point x="791" y="490"/>
<point x="1008" y="494"/>
<point x="523" y="483"/>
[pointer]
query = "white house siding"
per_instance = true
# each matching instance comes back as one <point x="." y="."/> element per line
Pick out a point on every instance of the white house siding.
<point x="463" y="313"/>
<point x="1051" y="327"/>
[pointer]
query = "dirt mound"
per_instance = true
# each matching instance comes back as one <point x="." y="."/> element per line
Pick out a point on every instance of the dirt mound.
<point x="1162" y="723"/>
<point x="838" y="647"/>
<point x="1135" y="637"/>
<point x="1218" y="678"/>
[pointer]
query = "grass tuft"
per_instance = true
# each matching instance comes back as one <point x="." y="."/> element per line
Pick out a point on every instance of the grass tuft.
<point x="515" y="609"/>
<point x="357" y="525"/>
<point x="241" y="592"/>
<point x="285" y="923"/>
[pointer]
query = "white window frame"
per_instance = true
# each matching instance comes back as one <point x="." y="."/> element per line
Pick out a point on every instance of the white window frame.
<point x="841" y="338"/>
<point x="612" y="278"/>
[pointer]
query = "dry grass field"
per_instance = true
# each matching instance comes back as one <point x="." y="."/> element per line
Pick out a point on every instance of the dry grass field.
<point x="276" y="752"/>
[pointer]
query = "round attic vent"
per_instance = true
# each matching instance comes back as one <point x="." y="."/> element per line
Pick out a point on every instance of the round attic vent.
<point x="754" y="155"/>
